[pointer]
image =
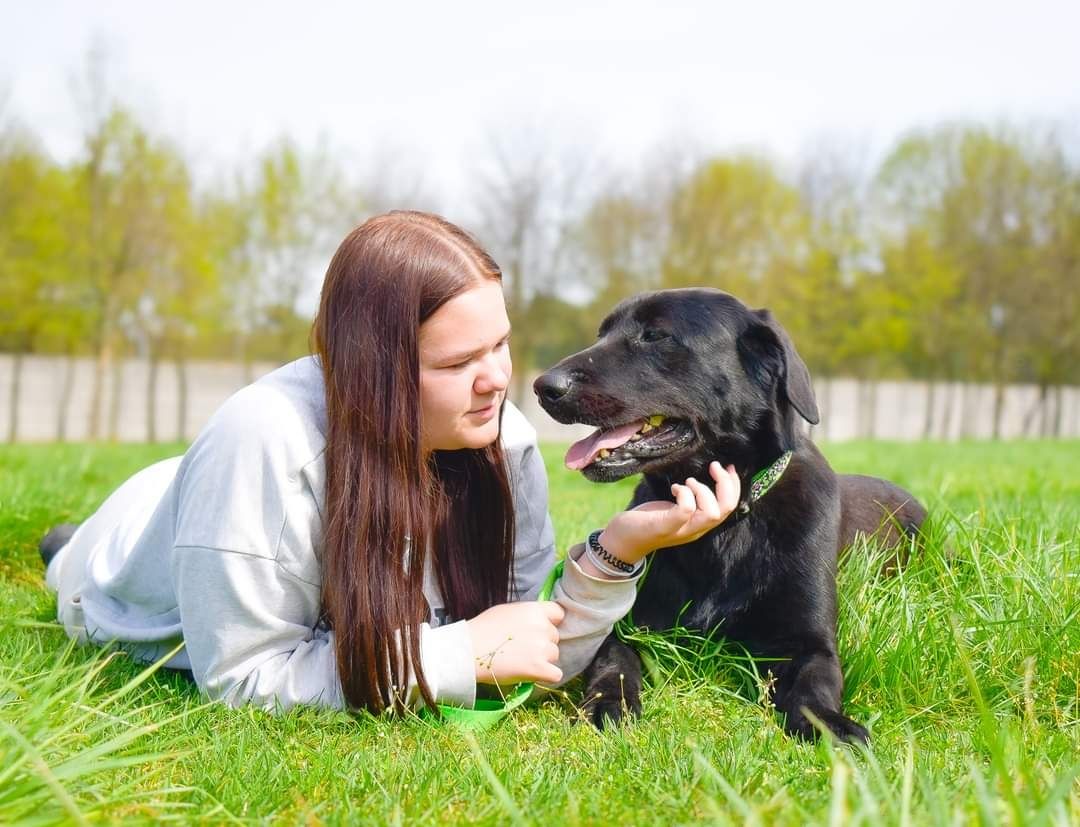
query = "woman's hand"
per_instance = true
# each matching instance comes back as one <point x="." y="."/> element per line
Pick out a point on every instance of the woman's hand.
<point x="514" y="642"/>
<point x="697" y="509"/>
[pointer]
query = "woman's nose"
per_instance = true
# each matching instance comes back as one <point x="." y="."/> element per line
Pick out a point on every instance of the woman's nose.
<point x="495" y="376"/>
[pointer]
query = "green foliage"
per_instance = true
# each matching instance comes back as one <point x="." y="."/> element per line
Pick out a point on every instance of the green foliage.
<point x="566" y="329"/>
<point x="296" y="210"/>
<point x="964" y="666"/>
<point x="733" y="224"/>
<point x="956" y="258"/>
<point x="39" y="290"/>
<point x="120" y="252"/>
<point x="987" y="215"/>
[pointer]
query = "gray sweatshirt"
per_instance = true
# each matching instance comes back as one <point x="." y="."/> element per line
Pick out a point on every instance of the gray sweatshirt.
<point x="220" y="548"/>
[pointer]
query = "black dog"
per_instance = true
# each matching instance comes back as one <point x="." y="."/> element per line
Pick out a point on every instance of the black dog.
<point x="729" y="386"/>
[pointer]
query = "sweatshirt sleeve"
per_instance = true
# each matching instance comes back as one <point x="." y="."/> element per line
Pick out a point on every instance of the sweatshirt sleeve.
<point x="252" y="637"/>
<point x="592" y="605"/>
<point x="250" y="631"/>
<point x="246" y="571"/>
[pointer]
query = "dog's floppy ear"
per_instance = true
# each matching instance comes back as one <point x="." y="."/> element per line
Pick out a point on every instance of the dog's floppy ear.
<point x="768" y="354"/>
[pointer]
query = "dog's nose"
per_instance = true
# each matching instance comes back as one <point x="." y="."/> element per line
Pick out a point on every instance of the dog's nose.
<point x="552" y="386"/>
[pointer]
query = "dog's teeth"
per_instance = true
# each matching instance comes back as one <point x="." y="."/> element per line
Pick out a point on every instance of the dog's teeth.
<point x="635" y="437"/>
<point x="646" y="428"/>
<point x="604" y="453"/>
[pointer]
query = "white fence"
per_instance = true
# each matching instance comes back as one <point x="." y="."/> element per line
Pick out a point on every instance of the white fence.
<point x="55" y="398"/>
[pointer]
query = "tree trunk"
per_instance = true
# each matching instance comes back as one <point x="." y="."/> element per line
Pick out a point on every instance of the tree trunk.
<point x="102" y="366"/>
<point x="16" y="391"/>
<point x="860" y="408"/>
<point x="1059" y="411"/>
<point x="965" y="410"/>
<point x="928" y="411"/>
<point x="1045" y="402"/>
<point x="829" y="394"/>
<point x="151" y="393"/>
<point x="519" y="344"/>
<point x="181" y="397"/>
<point x="871" y="423"/>
<point x="243" y="358"/>
<point x="822" y="428"/>
<point x="867" y="396"/>
<point x="114" y="401"/>
<point x="947" y="412"/>
<point x="101" y="362"/>
<point x="247" y="368"/>
<point x="999" y="407"/>
<point x="65" y="396"/>
<point x="1076" y="412"/>
<point x="1030" y="418"/>
<point x="519" y="388"/>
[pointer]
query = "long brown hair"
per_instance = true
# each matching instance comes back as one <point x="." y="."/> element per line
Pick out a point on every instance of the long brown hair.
<point x="387" y="504"/>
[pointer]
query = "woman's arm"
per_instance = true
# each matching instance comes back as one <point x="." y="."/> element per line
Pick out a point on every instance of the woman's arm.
<point x="252" y="636"/>
<point x="592" y="603"/>
<point x="245" y="566"/>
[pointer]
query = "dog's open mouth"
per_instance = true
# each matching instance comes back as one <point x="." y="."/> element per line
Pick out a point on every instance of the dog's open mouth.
<point x="629" y="445"/>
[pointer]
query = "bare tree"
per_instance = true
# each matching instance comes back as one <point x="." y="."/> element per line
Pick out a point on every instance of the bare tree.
<point x="528" y="199"/>
<point x="623" y="237"/>
<point x="390" y="181"/>
<point x="276" y="227"/>
<point x="110" y="135"/>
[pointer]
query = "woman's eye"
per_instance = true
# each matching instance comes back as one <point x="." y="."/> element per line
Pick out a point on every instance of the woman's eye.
<point x="652" y="335"/>
<point x="459" y="365"/>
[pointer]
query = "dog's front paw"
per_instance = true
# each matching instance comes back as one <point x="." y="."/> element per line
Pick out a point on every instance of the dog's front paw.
<point x="612" y="684"/>
<point x="842" y="728"/>
<point x="610" y="709"/>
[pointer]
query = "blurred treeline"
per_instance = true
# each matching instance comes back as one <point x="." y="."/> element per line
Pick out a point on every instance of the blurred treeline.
<point x="955" y="258"/>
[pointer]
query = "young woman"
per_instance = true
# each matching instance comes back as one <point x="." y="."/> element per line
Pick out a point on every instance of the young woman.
<point x="366" y="527"/>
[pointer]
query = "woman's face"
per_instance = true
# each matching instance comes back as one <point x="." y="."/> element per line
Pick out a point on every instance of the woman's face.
<point x="464" y="369"/>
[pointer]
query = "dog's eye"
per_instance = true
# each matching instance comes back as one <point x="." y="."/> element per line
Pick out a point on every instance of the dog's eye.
<point x="651" y="334"/>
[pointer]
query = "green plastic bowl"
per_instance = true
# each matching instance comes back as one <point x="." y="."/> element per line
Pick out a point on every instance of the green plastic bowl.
<point x="488" y="712"/>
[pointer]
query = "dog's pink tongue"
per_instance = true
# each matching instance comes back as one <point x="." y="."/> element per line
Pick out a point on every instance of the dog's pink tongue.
<point x="584" y="451"/>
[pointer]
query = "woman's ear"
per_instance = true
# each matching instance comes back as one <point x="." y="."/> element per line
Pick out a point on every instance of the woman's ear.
<point x="769" y="356"/>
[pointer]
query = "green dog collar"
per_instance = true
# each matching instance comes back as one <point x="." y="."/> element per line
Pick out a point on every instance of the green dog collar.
<point x="763" y="480"/>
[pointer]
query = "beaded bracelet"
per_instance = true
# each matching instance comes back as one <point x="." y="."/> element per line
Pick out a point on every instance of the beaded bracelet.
<point x="604" y="568"/>
<point x="607" y="562"/>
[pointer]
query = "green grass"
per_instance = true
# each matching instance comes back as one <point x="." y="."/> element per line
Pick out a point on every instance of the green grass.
<point x="966" y="667"/>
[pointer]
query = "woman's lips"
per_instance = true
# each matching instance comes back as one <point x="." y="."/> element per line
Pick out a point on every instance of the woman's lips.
<point x="487" y="411"/>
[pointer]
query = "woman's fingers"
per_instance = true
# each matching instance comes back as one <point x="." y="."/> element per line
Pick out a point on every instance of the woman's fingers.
<point x="698" y="508"/>
<point x="719" y="474"/>
<point x="705" y="500"/>
<point x="550" y="653"/>
<point x="517" y="641"/>
<point x="555" y="613"/>
<point x="701" y="507"/>
<point x="547" y="669"/>
<point x="685" y="502"/>
<point x="549" y="674"/>
<point x="727" y="485"/>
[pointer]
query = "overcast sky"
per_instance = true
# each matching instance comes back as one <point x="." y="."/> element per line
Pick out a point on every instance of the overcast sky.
<point x="427" y="82"/>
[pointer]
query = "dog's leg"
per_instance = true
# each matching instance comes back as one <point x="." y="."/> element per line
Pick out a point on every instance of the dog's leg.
<point x="812" y="683"/>
<point x="612" y="683"/>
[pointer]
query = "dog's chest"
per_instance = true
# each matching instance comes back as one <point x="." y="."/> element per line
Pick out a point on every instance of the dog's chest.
<point x="713" y="581"/>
